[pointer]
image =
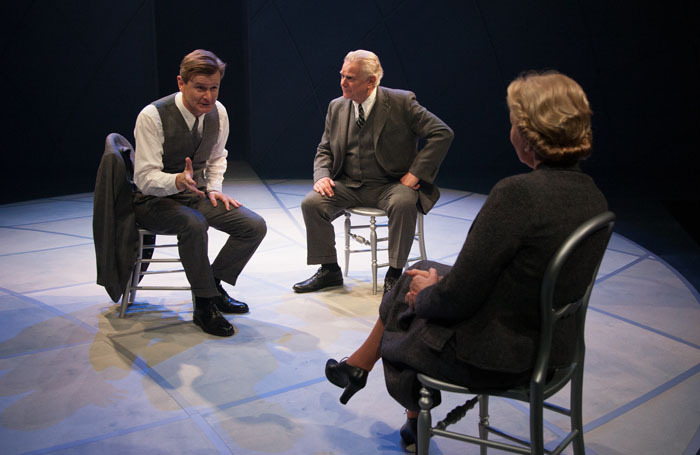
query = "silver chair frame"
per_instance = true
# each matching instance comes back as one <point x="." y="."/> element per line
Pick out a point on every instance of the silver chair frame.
<point x="373" y="213"/>
<point x="126" y="151"/>
<point x="133" y="284"/>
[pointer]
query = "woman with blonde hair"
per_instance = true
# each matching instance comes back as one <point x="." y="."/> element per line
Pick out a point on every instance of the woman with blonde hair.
<point x="476" y="323"/>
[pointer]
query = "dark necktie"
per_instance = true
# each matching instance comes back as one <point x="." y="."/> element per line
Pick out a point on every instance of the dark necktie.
<point x="361" y="117"/>
<point x="195" y="133"/>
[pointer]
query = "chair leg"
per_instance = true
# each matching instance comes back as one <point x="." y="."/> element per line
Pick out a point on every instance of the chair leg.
<point x="576" y="410"/>
<point x="536" y="427"/>
<point x="483" y="421"/>
<point x="421" y="238"/>
<point x="126" y="296"/>
<point x="373" y="247"/>
<point x="130" y="291"/>
<point x="424" y="422"/>
<point x="347" y="242"/>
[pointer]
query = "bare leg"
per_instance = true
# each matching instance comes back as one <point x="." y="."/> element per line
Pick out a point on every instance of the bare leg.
<point x="369" y="353"/>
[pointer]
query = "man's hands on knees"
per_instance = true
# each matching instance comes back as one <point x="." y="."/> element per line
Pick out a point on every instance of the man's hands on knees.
<point x="324" y="186"/>
<point x="184" y="180"/>
<point x="410" y="181"/>
<point x="227" y="200"/>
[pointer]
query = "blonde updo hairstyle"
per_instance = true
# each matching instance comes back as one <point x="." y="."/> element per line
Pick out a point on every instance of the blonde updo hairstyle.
<point x="552" y="114"/>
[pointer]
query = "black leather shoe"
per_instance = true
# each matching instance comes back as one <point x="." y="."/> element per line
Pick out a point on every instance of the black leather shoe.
<point x="346" y="376"/>
<point x="208" y="318"/>
<point x="389" y="283"/>
<point x="228" y="304"/>
<point x="409" y="434"/>
<point x="323" y="278"/>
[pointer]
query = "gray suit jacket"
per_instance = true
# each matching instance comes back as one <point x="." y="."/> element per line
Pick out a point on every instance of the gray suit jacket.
<point x="113" y="222"/>
<point x="400" y="122"/>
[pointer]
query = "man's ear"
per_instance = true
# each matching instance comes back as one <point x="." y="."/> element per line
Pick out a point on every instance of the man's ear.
<point x="180" y="82"/>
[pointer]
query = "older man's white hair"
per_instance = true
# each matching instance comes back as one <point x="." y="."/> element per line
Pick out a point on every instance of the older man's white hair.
<point x="369" y="63"/>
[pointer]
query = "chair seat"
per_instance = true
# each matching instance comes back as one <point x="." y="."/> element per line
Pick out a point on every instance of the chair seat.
<point x="556" y="380"/>
<point x="366" y="211"/>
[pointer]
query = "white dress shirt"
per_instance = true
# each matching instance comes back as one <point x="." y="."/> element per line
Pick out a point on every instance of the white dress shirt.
<point x="148" y="158"/>
<point x="366" y="104"/>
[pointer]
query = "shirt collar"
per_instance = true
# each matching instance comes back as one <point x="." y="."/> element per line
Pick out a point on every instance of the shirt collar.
<point x="187" y="115"/>
<point x="366" y="104"/>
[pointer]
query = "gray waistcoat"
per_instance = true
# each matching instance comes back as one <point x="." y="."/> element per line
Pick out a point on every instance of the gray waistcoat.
<point x="360" y="165"/>
<point x="179" y="143"/>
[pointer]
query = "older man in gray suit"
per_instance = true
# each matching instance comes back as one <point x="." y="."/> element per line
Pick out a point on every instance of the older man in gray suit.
<point x="369" y="156"/>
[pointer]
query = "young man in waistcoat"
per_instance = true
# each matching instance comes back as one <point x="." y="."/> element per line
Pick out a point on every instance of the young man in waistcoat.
<point x="180" y="160"/>
<point x="369" y="156"/>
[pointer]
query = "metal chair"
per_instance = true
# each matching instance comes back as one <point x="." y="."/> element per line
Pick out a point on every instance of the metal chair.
<point x="544" y="382"/>
<point x="147" y="247"/>
<point x="373" y="213"/>
<point x="146" y="239"/>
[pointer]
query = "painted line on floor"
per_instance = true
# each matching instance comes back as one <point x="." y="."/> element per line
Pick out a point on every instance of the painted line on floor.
<point x="558" y="431"/>
<point x="50" y="309"/>
<point x="656" y="257"/>
<point x="645" y="327"/>
<point x="102" y="437"/>
<point x="619" y="270"/>
<point x="284" y="208"/>
<point x="271" y="393"/>
<point x="694" y="445"/>
<point x="146" y="370"/>
<point x="457" y="199"/>
<point x="43" y="350"/>
<point x="211" y="434"/>
<point x="641" y="400"/>
<point x="84" y="283"/>
<point x="48" y="249"/>
<point x="57" y="220"/>
<point x="452" y="217"/>
<point x="687" y="284"/>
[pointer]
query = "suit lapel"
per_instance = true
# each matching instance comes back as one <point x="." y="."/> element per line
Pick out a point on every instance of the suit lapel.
<point x="381" y="110"/>
<point x="343" y="127"/>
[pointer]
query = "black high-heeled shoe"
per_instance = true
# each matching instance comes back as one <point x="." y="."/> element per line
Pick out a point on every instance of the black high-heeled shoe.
<point x="408" y="433"/>
<point x="346" y="376"/>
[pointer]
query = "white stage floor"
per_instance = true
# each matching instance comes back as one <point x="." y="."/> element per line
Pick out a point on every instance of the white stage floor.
<point x="76" y="379"/>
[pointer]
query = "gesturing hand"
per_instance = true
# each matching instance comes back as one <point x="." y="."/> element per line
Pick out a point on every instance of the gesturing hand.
<point x="324" y="186"/>
<point x="184" y="180"/>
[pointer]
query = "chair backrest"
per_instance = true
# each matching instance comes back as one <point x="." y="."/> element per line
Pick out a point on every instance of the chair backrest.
<point x="594" y="233"/>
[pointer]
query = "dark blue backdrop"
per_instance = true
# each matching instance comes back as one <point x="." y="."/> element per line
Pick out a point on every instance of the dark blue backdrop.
<point x="638" y="63"/>
<point x="77" y="70"/>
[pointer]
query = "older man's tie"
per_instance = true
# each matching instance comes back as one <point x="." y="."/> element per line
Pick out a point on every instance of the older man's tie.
<point x="361" y="117"/>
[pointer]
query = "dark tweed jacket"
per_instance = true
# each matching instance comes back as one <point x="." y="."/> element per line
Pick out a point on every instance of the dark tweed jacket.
<point x="484" y="312"/>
